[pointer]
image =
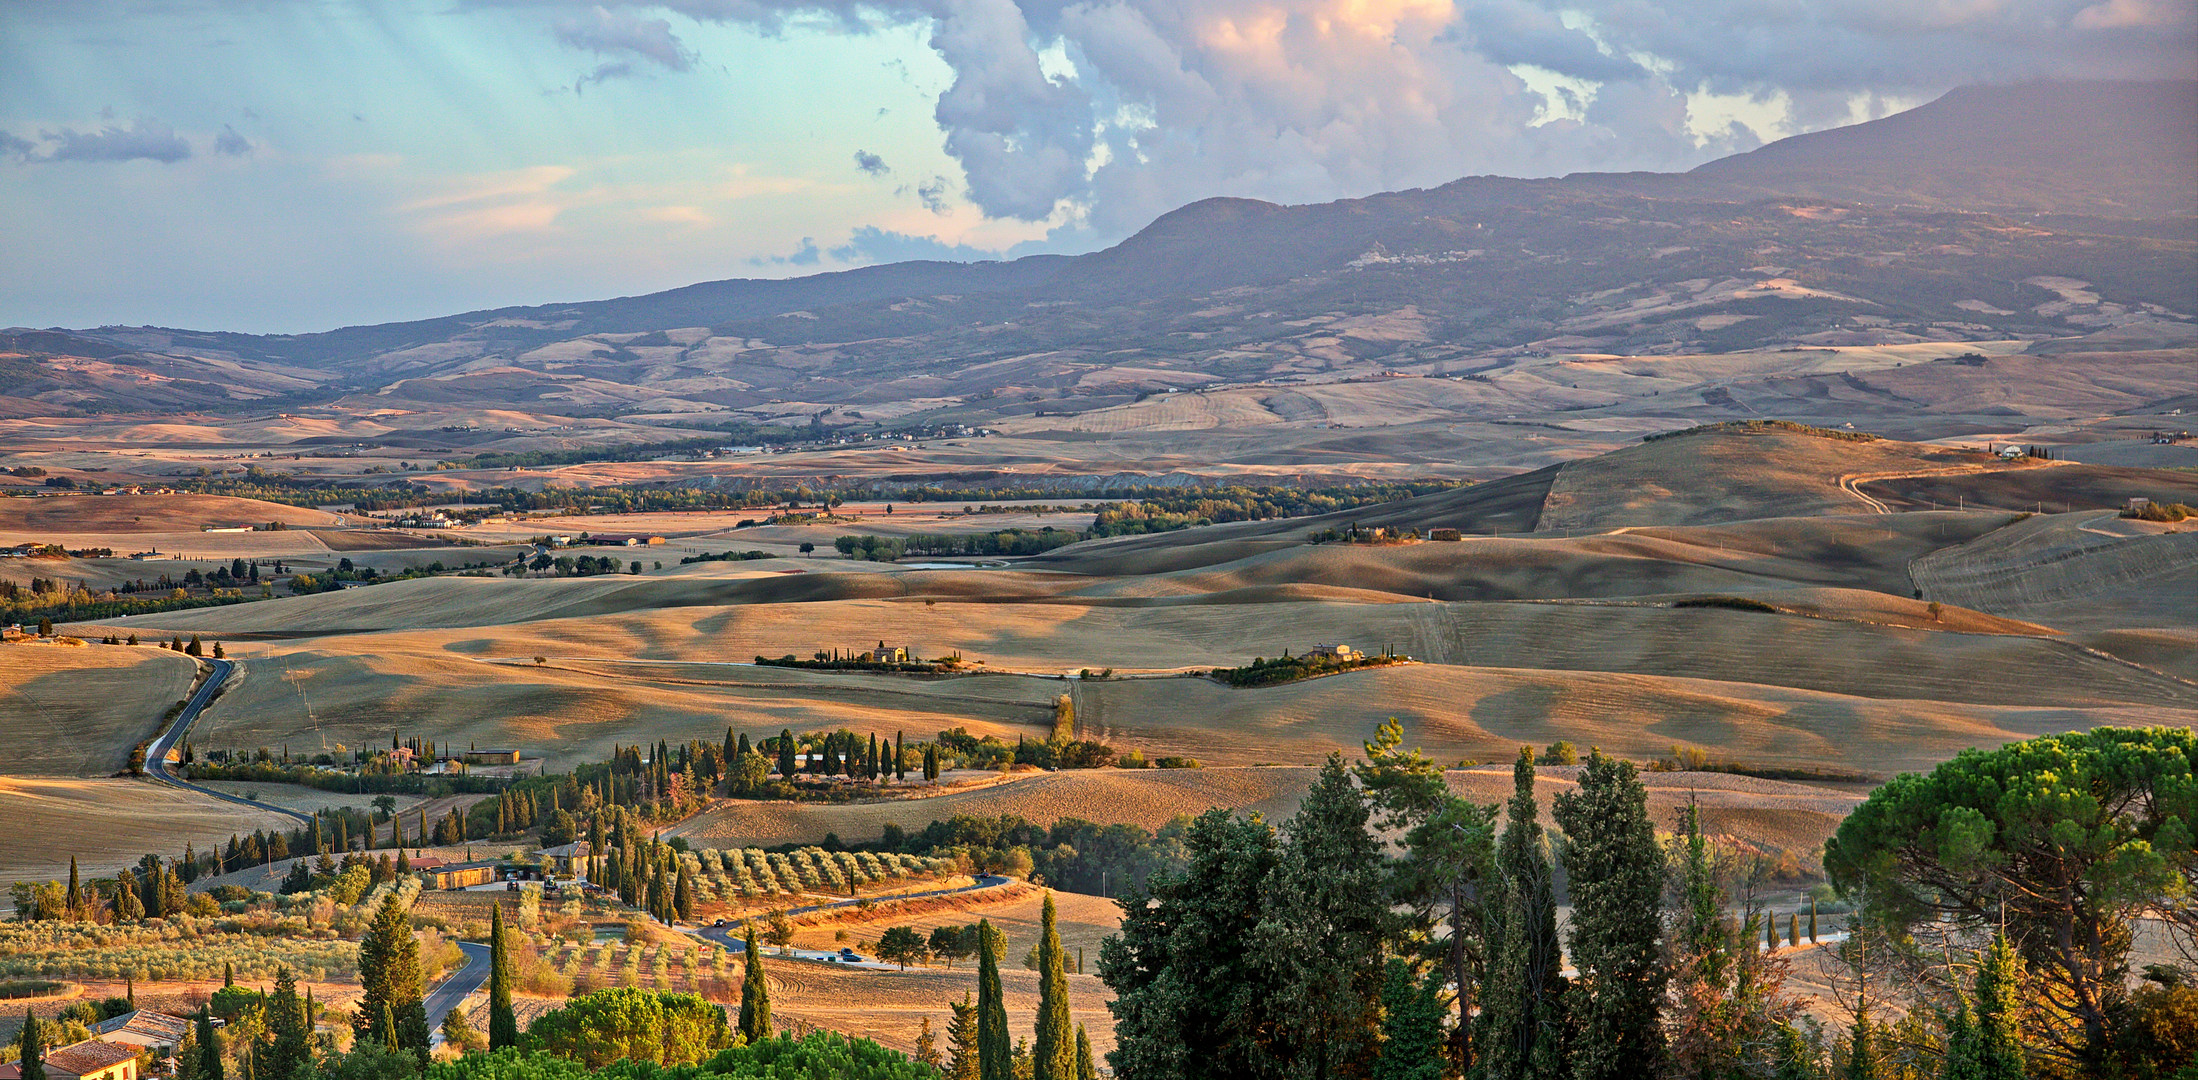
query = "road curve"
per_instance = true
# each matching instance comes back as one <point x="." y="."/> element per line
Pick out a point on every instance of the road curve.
<point x="723" y="935"/>
<point x="455" y="988"/>
<point x="156" y="756"/>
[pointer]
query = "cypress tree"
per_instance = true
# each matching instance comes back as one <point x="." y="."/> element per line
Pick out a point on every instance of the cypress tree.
<point x="786" y="752"/>
<point x="291" y="1051"/>
<point x="900" y="755"/>
<point x="228" y="974"/>
<point x="995" y="1059"/>
<point x="1053" y="1051"/>
<point x="76" y="892"/>
<point x="1793" y="928"/>
<point x="1616" y="871"/>
<point x="1086" y="1067"/>
<point x="209" y="1051"/>
<point x="755" y="994"/>
<point x="503" y="1023"/>
<point x="931" y="762"/>
<point x="31" y="1044"/>
<point x="1521" y="1019"/>
<point x="1812" y="922"/>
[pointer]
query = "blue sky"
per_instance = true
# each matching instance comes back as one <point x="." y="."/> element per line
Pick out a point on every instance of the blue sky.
<point x="292" y="165"/>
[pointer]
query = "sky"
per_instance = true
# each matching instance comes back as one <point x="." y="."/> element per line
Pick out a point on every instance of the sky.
<point x="283" y="166"/>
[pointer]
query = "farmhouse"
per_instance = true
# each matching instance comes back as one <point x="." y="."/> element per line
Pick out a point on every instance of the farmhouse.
<point x="1333" y="652"/>
<point x="87" y="1060"/>
<point x="566" y="859"/>
<point x="492" y="757"/>
<point x="625" y="539"/>
<point x="144" y="1029"/>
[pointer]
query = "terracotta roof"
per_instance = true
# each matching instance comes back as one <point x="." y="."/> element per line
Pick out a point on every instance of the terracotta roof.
<point x="89" y="1056"/>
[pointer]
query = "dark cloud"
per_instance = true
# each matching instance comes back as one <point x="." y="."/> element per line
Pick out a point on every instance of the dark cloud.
<point x="231" y="144"/>
<point x="870" y="163"/>
<point x="808" y="254"/>
<point x="934" y="193"/>
<point x="15" y="146"/>
<point x="616" y="33"/>
<point x="871" y="244"/>
<point x="145" y="139"/>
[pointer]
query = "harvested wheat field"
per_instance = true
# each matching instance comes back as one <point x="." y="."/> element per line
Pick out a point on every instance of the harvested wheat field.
<point x="75" y="514"/>
<point x="76" y="710"/>
<point x="890" y="1006"/>
<point x="1083" y="921"/>
<point x="109" y="824"/>
<point x="1148" y="797"/>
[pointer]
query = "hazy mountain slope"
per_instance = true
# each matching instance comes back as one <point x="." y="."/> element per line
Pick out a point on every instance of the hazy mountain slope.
<point x="2107" y="149"/>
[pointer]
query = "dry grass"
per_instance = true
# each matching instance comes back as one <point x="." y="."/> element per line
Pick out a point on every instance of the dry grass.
<point x="76" y="711"/>
<point x="108" y="824"/>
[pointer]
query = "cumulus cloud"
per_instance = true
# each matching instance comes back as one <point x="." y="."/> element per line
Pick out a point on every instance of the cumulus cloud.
<point x="871" y="164"/>
<point x="1102" y="113"/>
<point x="145" y="139"/>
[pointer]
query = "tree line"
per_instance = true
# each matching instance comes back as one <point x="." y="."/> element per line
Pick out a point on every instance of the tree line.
<point x="1313" y="949"/>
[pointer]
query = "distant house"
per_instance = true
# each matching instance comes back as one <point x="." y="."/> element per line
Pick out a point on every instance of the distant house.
<point x="887" y="654"/>
<point x="87" y="1060"/>
<point x="2137" y="504"/>
<point x="459" y="875"/>
<point x="1334" y="652"/>
<point x="144" y="1029"/>
<point x="625" y="539"/>
<point x="492" y="757"/>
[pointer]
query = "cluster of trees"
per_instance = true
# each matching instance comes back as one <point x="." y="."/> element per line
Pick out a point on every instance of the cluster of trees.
<point x="575" y="565"/>
<point x="999" y="542"/>
<point x="1265" y="671"/>
<point x="726" y="556"/>
<point x="1997" y="902"/>
<point x="1073" y="854"/>
<point x="645" y="872"/>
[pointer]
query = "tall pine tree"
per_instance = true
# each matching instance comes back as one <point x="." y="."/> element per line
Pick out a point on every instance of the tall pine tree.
<point x="1616" y="870"/>
<point x="1321" y="935"/>
<point x="1053" y="1052"/>
<point x="1522" y="1022"/>
<point x="1411" y="1026"/>
<point x="962" y="1042"/>
<point x="391" y="1010"/>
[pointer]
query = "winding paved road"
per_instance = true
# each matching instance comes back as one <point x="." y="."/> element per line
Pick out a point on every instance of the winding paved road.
<point x="156" y="756"/>
<point x="456" y="987"/>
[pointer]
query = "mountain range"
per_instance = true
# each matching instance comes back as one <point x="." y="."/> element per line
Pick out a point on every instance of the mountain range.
<point x="2038" y="211"/>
